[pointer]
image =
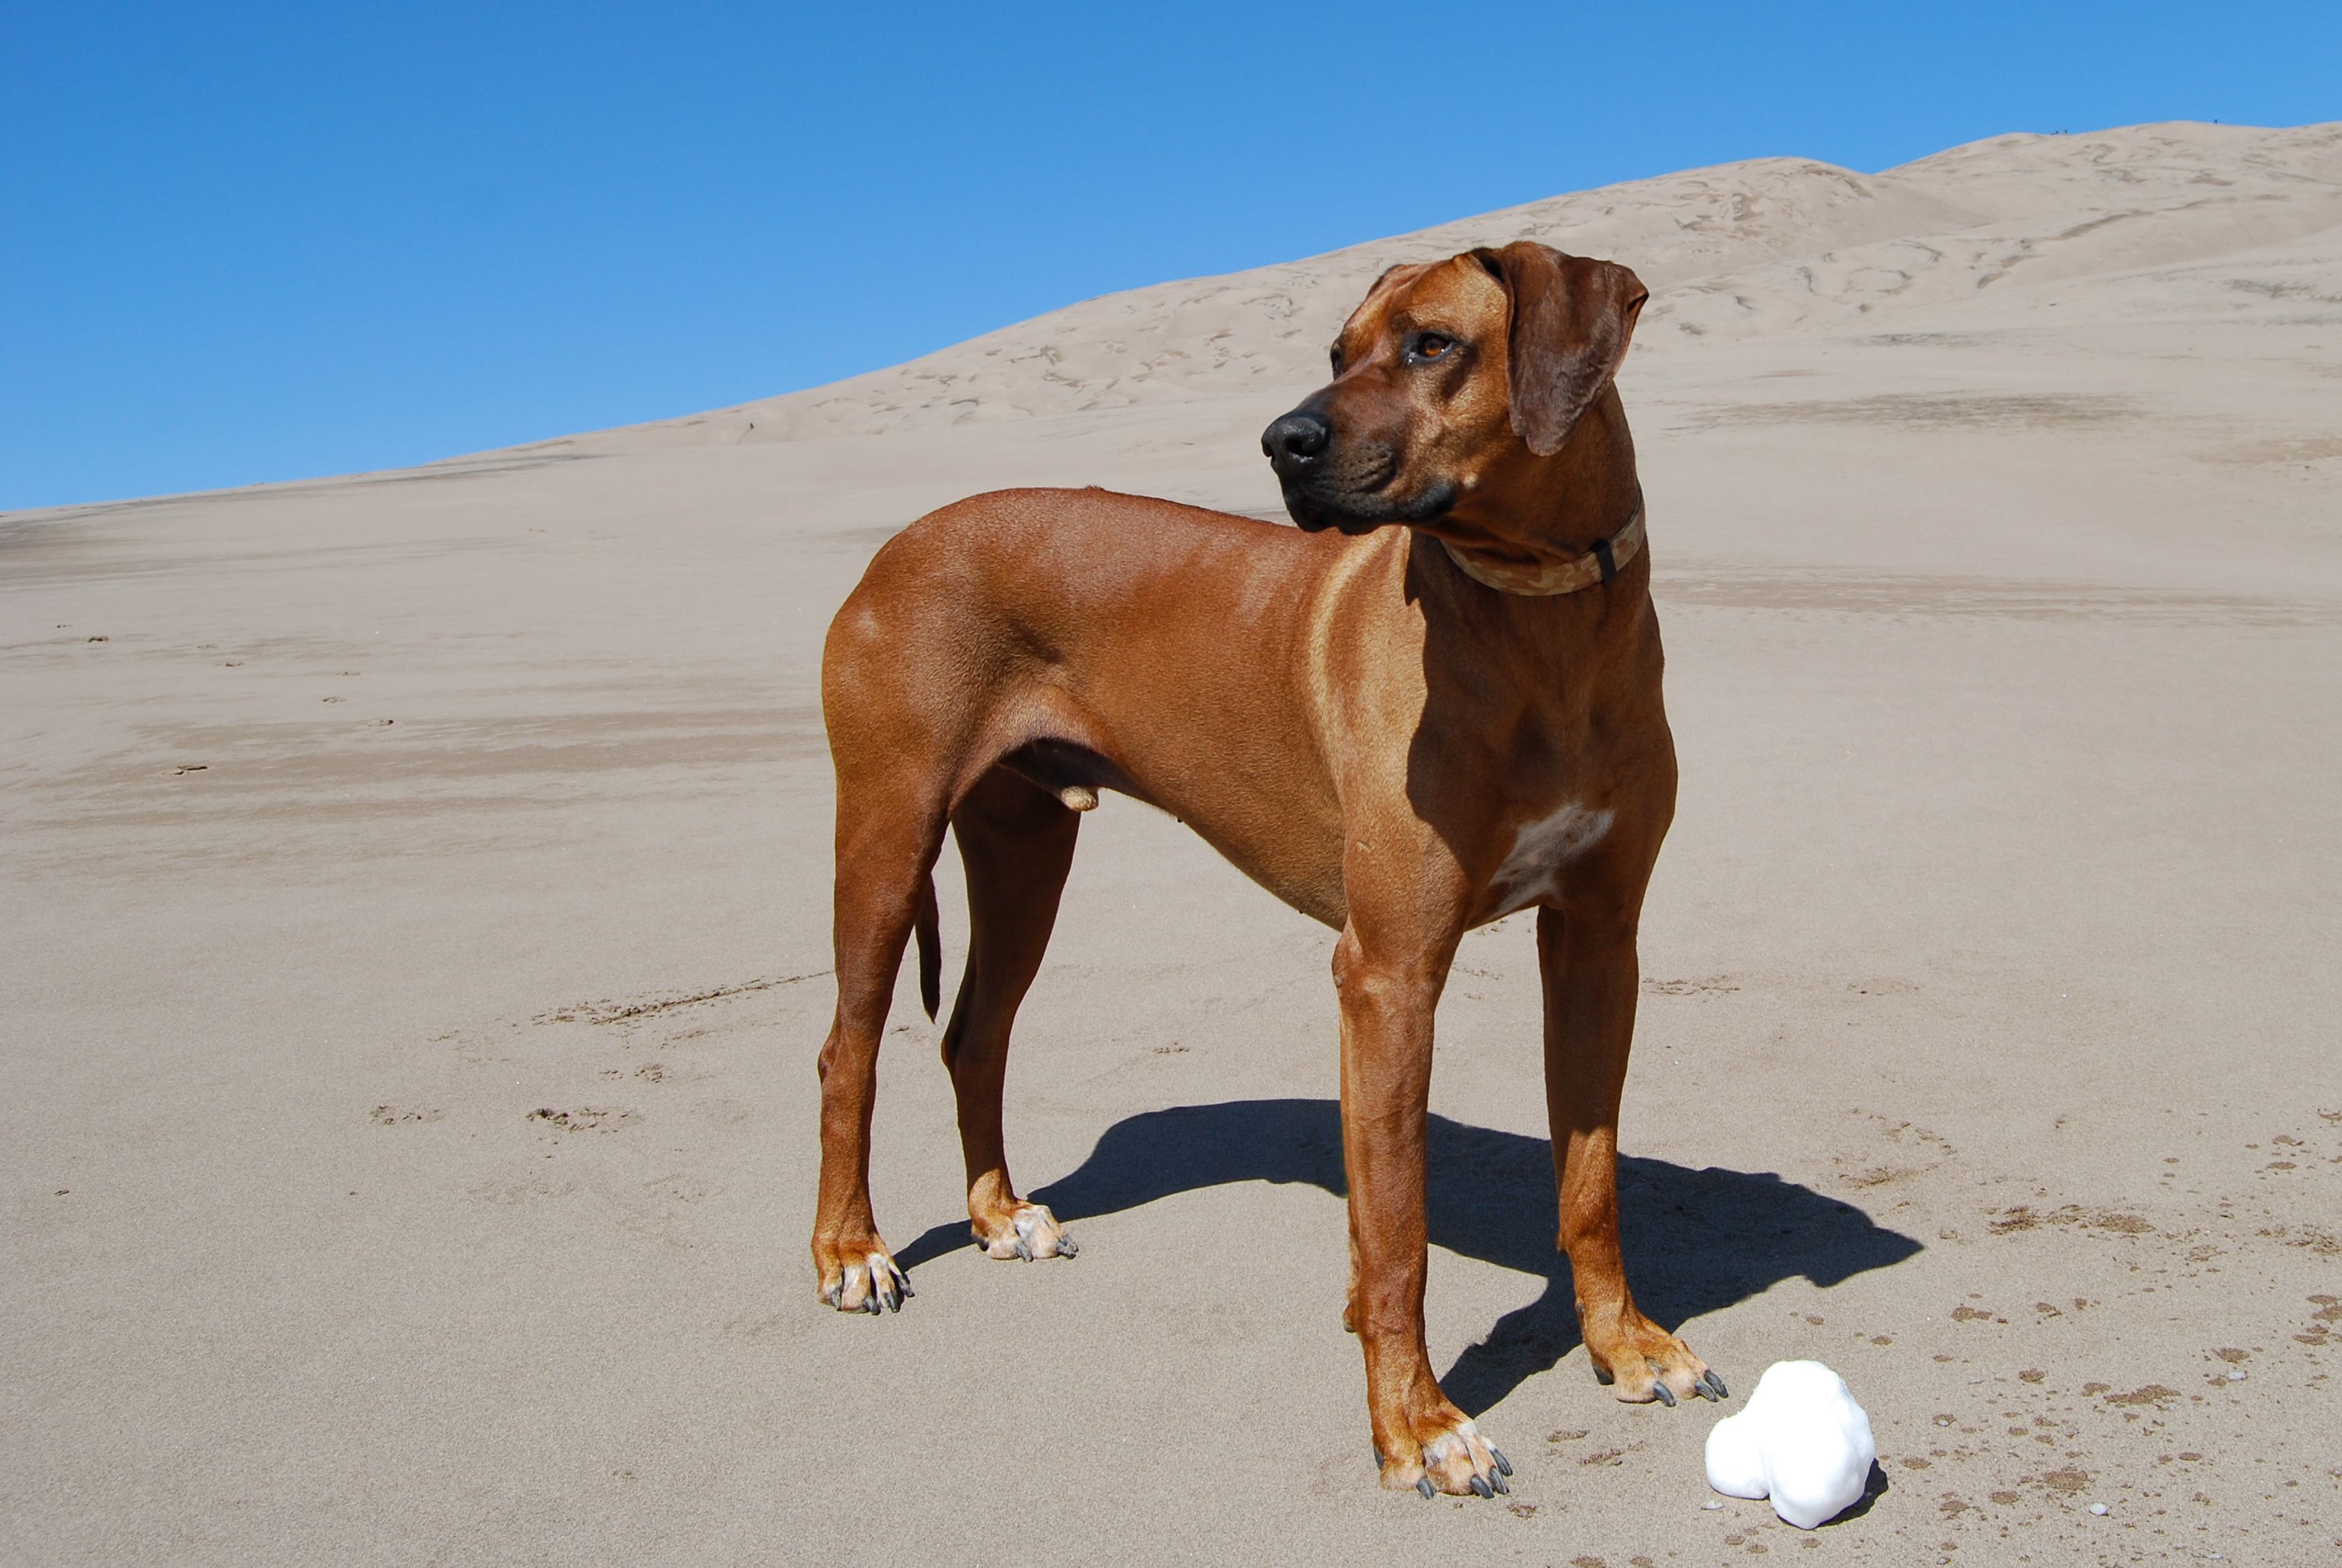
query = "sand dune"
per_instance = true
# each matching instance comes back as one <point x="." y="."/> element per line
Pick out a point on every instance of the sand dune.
<point x="415" y="947"/>
<point x="1749" y="250"/>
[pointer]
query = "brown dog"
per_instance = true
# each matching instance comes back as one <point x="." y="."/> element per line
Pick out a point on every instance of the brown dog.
<point x="1405" y="732"/>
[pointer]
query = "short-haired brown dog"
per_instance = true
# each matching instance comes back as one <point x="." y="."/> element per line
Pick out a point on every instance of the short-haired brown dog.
<point x="1434" y="703"/>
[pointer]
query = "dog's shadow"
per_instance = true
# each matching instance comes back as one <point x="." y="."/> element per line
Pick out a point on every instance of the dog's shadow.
<point x="1695" y="1241"/>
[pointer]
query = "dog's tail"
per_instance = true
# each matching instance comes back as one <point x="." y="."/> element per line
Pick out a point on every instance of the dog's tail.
<point x="927" y="923"/>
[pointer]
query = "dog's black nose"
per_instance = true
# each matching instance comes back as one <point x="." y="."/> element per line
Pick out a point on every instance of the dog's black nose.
<point x="1296" y="441"/>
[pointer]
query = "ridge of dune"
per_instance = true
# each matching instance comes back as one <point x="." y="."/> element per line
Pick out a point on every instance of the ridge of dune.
<point x="1748" y="250"/>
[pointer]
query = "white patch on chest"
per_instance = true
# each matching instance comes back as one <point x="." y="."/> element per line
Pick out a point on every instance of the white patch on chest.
<point x="1532" y="872"/>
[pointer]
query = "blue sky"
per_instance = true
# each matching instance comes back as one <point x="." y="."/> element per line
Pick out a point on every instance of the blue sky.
<point x="245" y="243"/>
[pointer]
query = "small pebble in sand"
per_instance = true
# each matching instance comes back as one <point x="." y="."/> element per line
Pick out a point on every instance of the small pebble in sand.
<point x="2100" y="1509"/>
<point x="1802" y="1442"/>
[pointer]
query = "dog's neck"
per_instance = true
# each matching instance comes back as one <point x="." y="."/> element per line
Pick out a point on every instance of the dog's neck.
<point x="1599" y="564"/>
<point x="1583" y="502"/>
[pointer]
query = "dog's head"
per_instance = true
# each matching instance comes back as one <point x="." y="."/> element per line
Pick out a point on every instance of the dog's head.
<point x="1448" y="375"/>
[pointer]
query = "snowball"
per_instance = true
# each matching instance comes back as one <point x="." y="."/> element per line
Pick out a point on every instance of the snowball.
<point x="1801" y="1441"/>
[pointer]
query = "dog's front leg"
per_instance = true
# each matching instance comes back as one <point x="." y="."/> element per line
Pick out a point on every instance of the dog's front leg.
<point x="1591" y="973"/>
<point x="1388" y="998"/>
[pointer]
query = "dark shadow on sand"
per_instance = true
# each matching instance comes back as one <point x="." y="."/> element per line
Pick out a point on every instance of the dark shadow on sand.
<point x="1695" y="1241"/>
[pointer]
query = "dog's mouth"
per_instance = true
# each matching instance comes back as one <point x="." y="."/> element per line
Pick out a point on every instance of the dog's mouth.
<point x="1319" y="504"/>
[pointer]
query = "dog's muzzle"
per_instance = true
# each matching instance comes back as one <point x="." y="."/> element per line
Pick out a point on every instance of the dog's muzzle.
<point x="1348" y="488"/>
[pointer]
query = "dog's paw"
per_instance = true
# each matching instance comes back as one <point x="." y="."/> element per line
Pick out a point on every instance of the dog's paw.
<point x="1643" y="1362"/>
<point x="1450" y="1456"/>
<point x="865" y="1280"/>
<point x="1030" y="1232"/>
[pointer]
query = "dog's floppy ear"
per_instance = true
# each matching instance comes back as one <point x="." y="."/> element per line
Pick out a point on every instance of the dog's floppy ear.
<point x="1571" y="319"/>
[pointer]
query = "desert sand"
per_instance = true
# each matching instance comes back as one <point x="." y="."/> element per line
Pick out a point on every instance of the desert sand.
<point x="417" y="928"/>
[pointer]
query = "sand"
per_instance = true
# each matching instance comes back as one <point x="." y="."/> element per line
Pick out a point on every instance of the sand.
<point x="416" y="924"/>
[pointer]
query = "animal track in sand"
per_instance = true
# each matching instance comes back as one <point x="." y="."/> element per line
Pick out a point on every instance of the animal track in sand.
<point x="1714" y="985"/>
<point x="2152" y="1394"/>
<point x="586" y="1119"/>
<point x="2023" y="1217"/>
<point x="2316" y="1238"/>
<point x="1931" y="1151"/>
<point x="1609" y="1456"/>
<point x="614" y="1011"/>
<point x="392" y="1116"/>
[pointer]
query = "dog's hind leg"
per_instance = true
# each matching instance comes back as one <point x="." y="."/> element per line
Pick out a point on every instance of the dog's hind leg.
<point x="885" y="850"/>
<point x="1018" y="844"/>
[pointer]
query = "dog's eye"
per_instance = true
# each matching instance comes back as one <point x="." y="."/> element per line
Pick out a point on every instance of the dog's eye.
<point x="1431" y="346"/>
<point x="1335" y="353"/>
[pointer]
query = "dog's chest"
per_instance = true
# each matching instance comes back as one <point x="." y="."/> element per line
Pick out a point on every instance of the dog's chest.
<point x="1542" y="848"/>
